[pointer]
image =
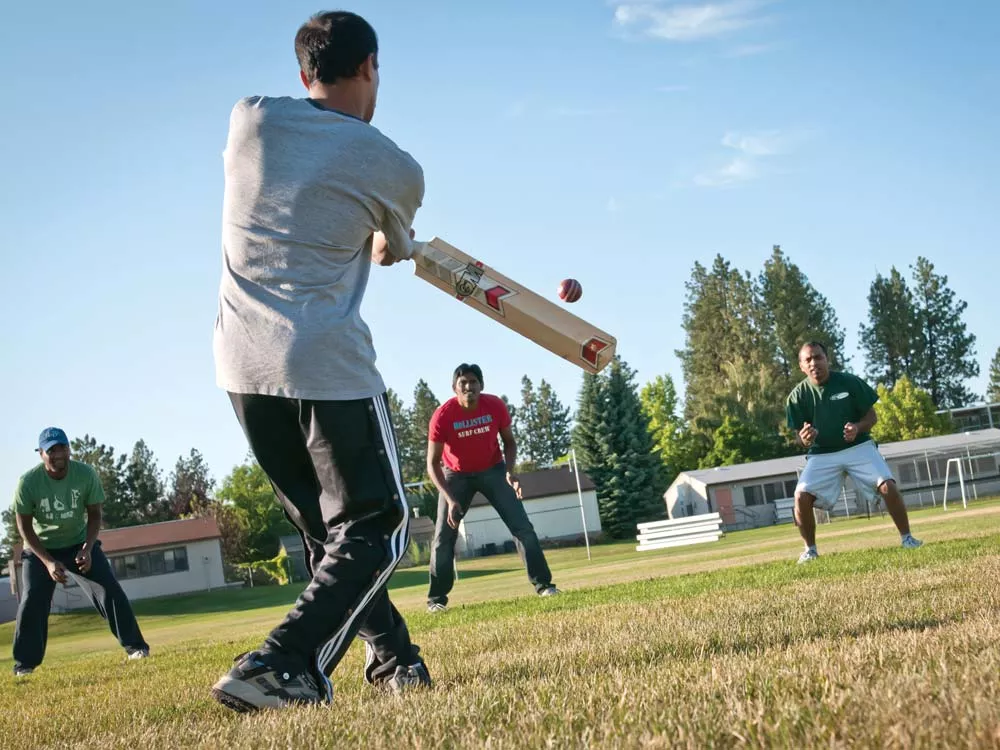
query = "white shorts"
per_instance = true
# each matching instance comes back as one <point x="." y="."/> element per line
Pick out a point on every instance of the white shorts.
<point x="823" y="477"/>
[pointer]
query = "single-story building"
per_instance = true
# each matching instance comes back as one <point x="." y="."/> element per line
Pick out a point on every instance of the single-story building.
<point x="974" y="417"/>
<point x="157" y="559"/>
<point x="745" y="495"/>
<point x="552" y="502"/>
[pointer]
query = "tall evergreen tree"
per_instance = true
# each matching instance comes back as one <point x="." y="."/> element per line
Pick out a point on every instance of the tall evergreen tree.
<point x="590" y="404"/>
<point x="419" y="418"/>
<point x="110" y="468"/>
<point x="411" y="462"/>
<point x="946" y="356"/>
<point x="553" y="424"/>
<point x="724" y="318"/>
<point x="191" y="485"/>
<point x="619" y="451"/>
<point x="514" y="413"/>
<point x="542" y="426"/>
<point x="143" y="486"/>
<point x="10" y="537"/>
<point x="890" y="338"/>
<point x="531" y="447"/>
<point x="993" y="389"/>
<point x="797" y="312"/>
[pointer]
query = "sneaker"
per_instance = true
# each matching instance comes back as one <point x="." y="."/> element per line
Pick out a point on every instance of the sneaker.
<point x="909" y="542"/>
<point x="549" y="591"/>
<point x="408" y="678"/>
<point x="138" y="653"/>
<point x="22" y="671"/>
<point x="808" y="556"/>
<point x="434" y="608"/>
<point x="256" y="682"/>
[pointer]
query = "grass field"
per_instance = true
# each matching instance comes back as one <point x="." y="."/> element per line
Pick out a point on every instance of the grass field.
<point x="723" y="645"/>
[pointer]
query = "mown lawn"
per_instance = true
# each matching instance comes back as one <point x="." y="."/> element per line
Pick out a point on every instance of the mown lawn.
<point x="722" y="645"/>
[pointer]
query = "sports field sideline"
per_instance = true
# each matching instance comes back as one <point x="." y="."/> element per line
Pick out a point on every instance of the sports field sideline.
<point x="720" y="645"/>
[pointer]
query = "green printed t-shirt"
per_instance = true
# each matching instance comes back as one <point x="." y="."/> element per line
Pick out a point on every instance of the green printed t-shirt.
<point x="841" y="399"/>
<point x="59" y="506"/>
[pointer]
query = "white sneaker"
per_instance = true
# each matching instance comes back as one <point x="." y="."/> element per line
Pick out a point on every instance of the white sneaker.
<point x="435" y="608"/>
<point x="550" y="591"/>
<point x="910" y="543"/>
<point x="809" y="555"/>
<point x="139" y="653"/>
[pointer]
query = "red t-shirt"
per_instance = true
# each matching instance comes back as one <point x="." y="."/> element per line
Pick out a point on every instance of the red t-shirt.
<point x="470" y="435"/>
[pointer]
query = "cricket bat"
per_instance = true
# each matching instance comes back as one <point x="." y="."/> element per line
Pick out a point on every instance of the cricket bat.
<point x="490" y="292"/>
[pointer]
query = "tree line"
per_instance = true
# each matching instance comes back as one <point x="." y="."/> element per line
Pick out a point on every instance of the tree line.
<point x="740" y="359"/>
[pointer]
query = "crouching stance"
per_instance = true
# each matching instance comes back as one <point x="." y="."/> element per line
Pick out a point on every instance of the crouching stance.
<point x="463" y="458"/>
<point x="832" y="414"/>
<point x="58" y="508"/>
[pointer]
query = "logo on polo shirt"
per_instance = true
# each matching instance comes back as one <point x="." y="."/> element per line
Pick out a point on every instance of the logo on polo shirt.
<point x="838" y="396"/>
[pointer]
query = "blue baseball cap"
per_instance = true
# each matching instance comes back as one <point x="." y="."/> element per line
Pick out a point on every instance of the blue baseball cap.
<point x="51" y="436"/>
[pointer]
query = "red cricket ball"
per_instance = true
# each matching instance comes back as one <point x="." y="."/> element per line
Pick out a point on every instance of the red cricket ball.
<point x="570" y="290"/>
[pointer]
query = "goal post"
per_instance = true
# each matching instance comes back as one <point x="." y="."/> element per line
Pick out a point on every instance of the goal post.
<point x="961" y="481"/>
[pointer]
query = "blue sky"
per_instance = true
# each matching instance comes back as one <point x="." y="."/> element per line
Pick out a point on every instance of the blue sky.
<point x="616" y="143"/>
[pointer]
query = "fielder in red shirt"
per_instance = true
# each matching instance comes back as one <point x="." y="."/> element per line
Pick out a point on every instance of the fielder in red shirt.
<point x="464" y="457"/>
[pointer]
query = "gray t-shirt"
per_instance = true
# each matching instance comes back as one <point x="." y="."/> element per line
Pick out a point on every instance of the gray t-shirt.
<point x="305" y="188"/>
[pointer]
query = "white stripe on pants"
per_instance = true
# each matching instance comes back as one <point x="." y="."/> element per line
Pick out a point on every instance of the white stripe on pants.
<point x="397" y="545"/>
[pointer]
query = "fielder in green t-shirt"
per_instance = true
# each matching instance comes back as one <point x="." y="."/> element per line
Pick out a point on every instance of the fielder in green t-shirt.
<point x="57" y="505"/>
<point x="832" y="414"/>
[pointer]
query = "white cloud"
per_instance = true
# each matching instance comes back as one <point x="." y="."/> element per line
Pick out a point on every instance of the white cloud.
<point x="756" y="151"/>
<point x="740" y="169"/>
<point x="765" y="143"/>
<point x="684" y="23"/>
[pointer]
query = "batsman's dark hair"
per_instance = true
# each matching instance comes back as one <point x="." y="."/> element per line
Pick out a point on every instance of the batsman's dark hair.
<point x="817" y="344"/>
<point x="334" y="45"/>
<point x="467" y="369"/>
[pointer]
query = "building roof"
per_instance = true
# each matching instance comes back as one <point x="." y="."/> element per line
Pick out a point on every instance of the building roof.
<point x="545" y="483"/>
<point x="131" y="538"/>
<point x="973" y="441"/>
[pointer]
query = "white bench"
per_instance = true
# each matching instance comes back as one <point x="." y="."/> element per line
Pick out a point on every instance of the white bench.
<point x="784" y="510"/>
<point x="679" y="532"/>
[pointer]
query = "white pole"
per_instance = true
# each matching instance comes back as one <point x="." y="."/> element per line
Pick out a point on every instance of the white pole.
<point x="947" y="473"/>
<point x="579" y="494"/>
<point x="930" y="479"/>
<point x="972" y="473"/>
<point x="961" y="483"/>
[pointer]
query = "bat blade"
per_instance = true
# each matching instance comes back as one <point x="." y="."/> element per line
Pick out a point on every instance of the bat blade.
<point x="485" y="289"/>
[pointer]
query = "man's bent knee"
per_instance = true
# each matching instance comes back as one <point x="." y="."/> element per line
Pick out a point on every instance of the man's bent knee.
<point x="888" y="488"/>
<point x="803" y="504"/>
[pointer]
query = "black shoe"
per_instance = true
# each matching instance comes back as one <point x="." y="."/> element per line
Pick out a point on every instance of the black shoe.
<point x="22" y="671"/>
<point x="408" y="678"/>
<point x="259" y="681"/>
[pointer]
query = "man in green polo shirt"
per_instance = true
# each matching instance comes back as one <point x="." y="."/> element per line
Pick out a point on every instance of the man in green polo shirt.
<point x="832" y="414"/>
<point x="58" y="509"/>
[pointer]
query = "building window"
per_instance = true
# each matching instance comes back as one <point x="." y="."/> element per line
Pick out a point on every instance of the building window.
<point x="907" y="472"/>
<point x="753" y="495"/>
<point x="155" y="562"/>
<point x="768" y="492"/>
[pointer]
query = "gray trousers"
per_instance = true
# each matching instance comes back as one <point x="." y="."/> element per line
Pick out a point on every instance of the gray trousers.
<point x="99" y="584"/>
<point x="492" y="483"/>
